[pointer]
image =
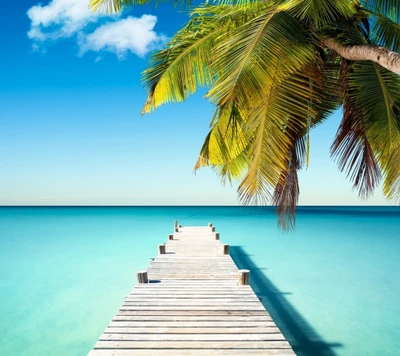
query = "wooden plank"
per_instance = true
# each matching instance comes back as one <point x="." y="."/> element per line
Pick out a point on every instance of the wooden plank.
<point x="190" y="295"/>
<point x="191" y="287"/>
<point x="125" y="316"/>
<point x="205" y="298"/>
<point x="191" y="352"/>
<point x="192" y="337"/>
<point x="193" y="312"/>
<point x="144" y="329"/>
<point x="212" y="344"/>
<point x="195" y="302"/>
<point x="190" y="324"/>
<point x="226" y="308"/>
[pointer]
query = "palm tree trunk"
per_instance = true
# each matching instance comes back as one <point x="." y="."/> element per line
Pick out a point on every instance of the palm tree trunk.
<point x="387" y="59"/>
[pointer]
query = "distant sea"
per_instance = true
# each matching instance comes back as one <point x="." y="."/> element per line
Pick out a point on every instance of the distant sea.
<point x="332" y="285"/>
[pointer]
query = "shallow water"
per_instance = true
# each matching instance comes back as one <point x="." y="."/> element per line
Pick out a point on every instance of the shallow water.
<point x="332" y="286"/>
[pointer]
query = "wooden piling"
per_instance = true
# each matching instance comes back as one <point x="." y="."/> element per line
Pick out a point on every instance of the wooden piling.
<point x="161" y="249"/>
<point x="244" y="277"/>
<point x="170" y="237"/>
<point x="142" y="277"/>
<point x="225" y="249"/>
<point x="217" y="235"/>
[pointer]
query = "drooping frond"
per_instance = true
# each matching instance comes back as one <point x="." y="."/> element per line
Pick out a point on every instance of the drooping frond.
<point x="355" y="155"/>
<point x="272" y="125"/>
<point x="115" y="6"/>
<point x="351" y="148"/>
<point x="267" y="155"/>
<point x="188" y="60"/>
<point x="391" y="185"/>
<point x="370" y="131"/>
<point x="287" y="191"/>
<point x="322" y="98"/>
<point x="224" y="148"/>
<point x="271" y="128"/>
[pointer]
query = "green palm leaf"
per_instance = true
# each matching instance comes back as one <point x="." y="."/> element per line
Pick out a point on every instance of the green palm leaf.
<point x="245" y="58"/>
<point x="225" y="146"/>
<point x="387" y="33"/>
<point x="370" y="131"/>
<point x="287" y="191"/>
<point x="116" y="6"/>
<point x="188" y="60"/>
<point x="319" y="12"/>
<point x="387" y="8"/>
<point x="392" y="177"/>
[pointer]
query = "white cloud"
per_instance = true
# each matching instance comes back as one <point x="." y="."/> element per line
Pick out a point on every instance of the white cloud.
<point x="132" y="34"/>
<point x="60" y="18"/>
<point x="93" y="31"/>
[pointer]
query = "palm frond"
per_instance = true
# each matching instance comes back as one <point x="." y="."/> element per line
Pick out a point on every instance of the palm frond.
<point x="319" y="12"/>
<point x="116" y="6"/>
<point x="351" y="148"/>
<point x="224" y="148"/>
<point x="246" y="58"/>
<point x="355" y="155"/>
<point x="271" y="128"/>
<point x="386" y="33"/>
<point x="243" y="3"/>
<point x="370" y="131"/>
<point x="188" y="60"/>
<point x="387" y="8"/>
<point x="287" y="191"/>
<point x="267" y="156"/>
<point x="391" y="185"/>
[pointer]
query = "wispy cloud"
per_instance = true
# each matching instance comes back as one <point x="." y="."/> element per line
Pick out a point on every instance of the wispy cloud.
<point x="93" y="31"/>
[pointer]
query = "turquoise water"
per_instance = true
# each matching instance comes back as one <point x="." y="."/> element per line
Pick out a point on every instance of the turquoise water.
<point x="333" y="285"/>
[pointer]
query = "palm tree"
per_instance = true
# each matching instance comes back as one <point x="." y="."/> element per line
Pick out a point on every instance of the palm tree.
<point x="275" y="69"/>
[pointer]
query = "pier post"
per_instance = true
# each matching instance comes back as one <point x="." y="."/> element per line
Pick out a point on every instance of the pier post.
<point x="176" y="228"/>
<point x="217" y="235"/>
<point x="161" y="249"/>
<point x="225" y="249"/>
<point x="170" y="237"/>
<point x="142" y="277"/>
<point x="209" y="224"/>
<point x="244" y="277"/>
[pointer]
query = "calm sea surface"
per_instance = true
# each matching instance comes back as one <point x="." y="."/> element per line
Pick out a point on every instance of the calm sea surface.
<point x="333" y="286"/>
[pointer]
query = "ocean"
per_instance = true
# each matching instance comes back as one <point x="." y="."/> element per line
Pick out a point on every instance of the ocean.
<point x="332" y="285"/>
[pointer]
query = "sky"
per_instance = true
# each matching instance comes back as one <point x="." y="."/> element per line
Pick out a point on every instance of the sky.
<point x="71" y="132"/>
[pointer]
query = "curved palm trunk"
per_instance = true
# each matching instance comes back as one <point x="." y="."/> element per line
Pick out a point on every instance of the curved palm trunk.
<point x="387" y="59"/>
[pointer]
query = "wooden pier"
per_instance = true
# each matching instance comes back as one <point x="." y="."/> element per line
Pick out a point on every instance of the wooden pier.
<point x="192" y="300"/>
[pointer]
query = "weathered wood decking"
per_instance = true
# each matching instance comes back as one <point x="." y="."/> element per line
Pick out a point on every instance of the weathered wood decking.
<point x="192" y="305"/>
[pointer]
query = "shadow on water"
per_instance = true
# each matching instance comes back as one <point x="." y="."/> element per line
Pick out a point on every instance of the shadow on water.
<point x="302" y="337"/>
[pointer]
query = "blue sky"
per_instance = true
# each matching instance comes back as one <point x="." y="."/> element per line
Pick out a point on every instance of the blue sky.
<point x="70" y="125"/>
